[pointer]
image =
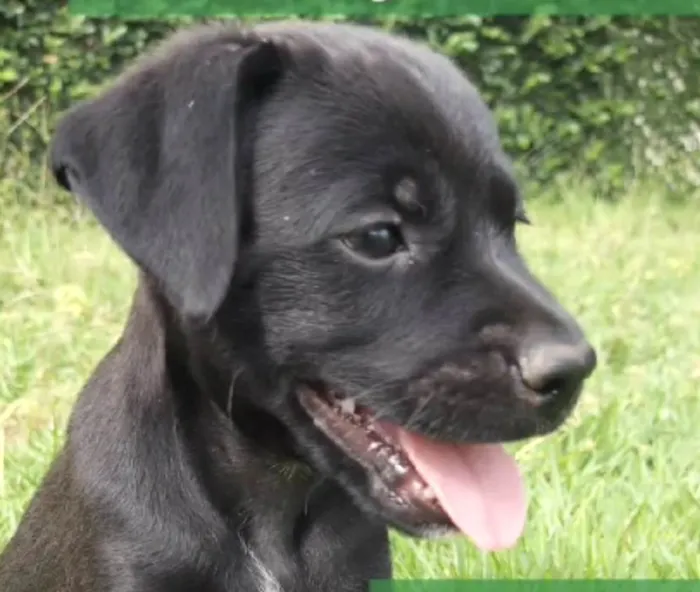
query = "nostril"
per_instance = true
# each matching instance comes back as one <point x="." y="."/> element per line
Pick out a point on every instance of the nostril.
<point x="553" y="370"/>
<point x="552" y="387"/>
<point x="546" y="386"/>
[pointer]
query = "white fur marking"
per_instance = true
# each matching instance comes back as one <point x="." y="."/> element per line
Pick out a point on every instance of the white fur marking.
<point x="266" y="581"/>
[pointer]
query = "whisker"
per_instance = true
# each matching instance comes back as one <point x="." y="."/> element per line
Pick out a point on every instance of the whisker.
<point x="229" y="400"/>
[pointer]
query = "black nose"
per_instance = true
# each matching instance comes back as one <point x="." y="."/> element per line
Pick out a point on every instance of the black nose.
<point x="554" y="368"/>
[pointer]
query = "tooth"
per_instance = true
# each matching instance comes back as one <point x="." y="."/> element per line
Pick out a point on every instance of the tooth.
<point x="384" y="452"/>
<point x="397" y="465"/>
<point x="348" y="406"/>
<point x="374" y="446"/>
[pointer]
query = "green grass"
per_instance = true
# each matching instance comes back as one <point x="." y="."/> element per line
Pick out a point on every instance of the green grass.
<point x="615" y="493"/>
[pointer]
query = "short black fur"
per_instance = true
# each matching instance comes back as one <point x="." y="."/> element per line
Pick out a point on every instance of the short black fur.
<point x="233" y="167"/>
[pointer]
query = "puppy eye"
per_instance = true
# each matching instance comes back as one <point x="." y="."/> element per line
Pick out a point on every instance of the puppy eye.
<point x="379" y="241"/>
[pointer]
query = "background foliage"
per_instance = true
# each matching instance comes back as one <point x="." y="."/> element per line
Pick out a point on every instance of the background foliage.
<point x="614" y="98"/>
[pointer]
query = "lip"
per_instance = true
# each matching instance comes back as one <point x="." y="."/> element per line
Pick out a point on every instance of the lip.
<point x="394" y="483"/>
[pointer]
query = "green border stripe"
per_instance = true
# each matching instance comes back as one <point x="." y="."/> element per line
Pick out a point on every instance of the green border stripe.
<point x="536" y="586"/>
<point x="367" y="8"/>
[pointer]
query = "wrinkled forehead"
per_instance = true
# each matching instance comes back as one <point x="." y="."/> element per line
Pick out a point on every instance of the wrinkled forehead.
<point x="358" y="114"/>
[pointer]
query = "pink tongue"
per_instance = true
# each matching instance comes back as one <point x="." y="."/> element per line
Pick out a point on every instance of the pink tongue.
<point x="478" y="486"/>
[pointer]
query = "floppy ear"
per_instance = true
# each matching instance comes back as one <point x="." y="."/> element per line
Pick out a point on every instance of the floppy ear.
<point x="156" y="158"/>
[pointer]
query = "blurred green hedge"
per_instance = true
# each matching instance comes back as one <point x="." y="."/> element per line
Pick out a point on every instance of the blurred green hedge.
<point x="613" y="98"/>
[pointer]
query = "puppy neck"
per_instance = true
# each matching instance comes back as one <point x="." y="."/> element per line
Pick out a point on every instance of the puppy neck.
<point x="244" y="459"/>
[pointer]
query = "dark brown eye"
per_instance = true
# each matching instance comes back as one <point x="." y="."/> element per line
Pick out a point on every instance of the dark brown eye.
<point x="379" y="241"/>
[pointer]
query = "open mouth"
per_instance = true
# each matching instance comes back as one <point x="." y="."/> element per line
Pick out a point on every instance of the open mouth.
<point x="473" y="488"/>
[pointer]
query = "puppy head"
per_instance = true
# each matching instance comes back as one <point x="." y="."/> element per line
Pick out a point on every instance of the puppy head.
<point x="345" y="193"/>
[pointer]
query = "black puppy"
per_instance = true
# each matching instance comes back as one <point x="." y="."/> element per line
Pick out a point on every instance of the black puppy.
<point x="333" y="331"/>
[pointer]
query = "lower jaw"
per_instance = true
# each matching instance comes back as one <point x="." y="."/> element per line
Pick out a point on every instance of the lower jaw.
<point x="414" y="522"/>
<point x="398" y="493"/>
